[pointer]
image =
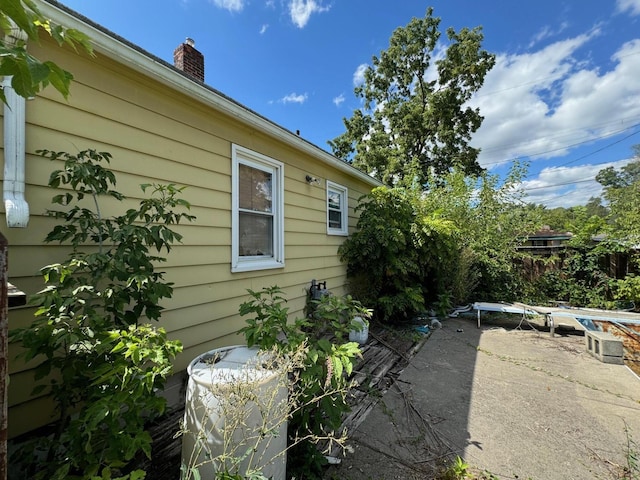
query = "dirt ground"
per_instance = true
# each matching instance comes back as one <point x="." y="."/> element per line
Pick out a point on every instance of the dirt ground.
<point x="511" y="401"/>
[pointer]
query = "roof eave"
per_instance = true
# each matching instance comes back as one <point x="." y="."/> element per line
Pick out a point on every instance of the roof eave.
<point x="116" y="48"/>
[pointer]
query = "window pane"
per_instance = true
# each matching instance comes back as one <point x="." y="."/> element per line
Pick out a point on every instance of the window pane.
<point x="334" y="199"/>
<point x="335" y="219"/>
<point x="255" y="189"/>
<point x="256" y="234"/>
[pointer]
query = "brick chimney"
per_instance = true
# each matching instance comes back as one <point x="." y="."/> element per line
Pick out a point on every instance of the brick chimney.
<point x="189" y="60"/>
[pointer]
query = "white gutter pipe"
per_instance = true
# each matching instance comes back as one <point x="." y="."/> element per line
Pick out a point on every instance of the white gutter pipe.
<point x="13" y="187"/>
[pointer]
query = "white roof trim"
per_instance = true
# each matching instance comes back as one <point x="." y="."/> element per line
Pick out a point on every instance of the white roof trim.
<point x="119" y="50"/>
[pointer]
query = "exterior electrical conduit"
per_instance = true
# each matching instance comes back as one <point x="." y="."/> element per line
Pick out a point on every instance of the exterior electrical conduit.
<point x="15" y="204"/>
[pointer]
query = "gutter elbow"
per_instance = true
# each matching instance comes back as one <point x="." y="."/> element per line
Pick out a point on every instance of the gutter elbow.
<point x="16" y="209"/>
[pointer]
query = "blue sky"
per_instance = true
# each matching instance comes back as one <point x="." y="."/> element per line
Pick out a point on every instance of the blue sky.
<point x="564" y="94"/>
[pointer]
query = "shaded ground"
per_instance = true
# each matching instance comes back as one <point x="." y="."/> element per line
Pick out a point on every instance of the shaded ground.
<point x="514" y="402"/>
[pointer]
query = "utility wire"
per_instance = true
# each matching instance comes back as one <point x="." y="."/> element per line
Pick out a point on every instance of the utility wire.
<point x="602" y="148"/>
<point x="583" y="180"/>
<point x="535" y="154"/>
<point x="591" y="178"/>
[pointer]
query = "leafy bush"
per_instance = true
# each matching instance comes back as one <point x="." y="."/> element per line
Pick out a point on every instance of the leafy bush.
<point x="322" y="381"/>
<point x="101" y="367"/>
<point x="334" y="315"/>
<point x="399" y="254"/>
<point x="628" y="290"/>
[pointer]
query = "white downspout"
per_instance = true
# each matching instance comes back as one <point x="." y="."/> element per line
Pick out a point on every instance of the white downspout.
<point x="15" y="205"/>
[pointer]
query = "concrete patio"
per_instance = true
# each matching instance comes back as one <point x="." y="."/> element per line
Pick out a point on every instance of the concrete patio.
<point x="514" y="402"/>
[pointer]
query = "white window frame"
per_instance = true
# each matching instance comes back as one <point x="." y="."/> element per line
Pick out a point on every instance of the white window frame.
<point x="244" y="156"/>
<point x="344" y="209"/>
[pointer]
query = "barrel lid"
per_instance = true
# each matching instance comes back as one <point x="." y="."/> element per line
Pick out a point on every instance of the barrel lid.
<point x="228" y="365"/>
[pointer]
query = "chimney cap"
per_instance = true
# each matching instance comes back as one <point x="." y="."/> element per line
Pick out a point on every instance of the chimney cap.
<point x="190" y="41"/>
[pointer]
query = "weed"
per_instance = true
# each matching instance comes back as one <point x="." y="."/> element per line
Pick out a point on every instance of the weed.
<point x="458" y="470"/>
<point x="631" y="471"/>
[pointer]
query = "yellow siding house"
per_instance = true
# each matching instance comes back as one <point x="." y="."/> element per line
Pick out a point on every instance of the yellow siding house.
<point x="162" y="124"/>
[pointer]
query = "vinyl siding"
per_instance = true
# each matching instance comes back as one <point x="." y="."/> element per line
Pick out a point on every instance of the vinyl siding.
<point x="157" y="134"/>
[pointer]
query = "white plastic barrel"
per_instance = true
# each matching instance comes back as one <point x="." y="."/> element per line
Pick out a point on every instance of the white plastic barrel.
<point x="235" y="415"/>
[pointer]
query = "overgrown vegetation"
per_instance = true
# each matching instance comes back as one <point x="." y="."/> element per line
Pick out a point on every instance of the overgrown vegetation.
<point x="392" y="256"/>
<point x="450" y="244"/>
<point x="599" y="266"/>
<point x="99" y="364"/>
<point x="458" y="240"/>
<point x="321" y="382"/>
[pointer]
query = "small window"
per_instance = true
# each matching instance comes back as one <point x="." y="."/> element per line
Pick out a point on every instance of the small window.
<point x="258" y="211"/>
<point x="337" y="209"/>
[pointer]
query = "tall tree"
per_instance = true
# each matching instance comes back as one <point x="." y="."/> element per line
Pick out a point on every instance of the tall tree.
<point x="573" y="219"/>
<point x="622" y="191"/>
<point x="21" y="21"/>
<point x="414" y="121"/>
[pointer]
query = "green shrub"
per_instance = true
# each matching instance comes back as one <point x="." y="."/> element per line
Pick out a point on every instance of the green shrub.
<point x="101" y="368"/>
<point x="398" y="257"/>
<point x="322" y="381"/>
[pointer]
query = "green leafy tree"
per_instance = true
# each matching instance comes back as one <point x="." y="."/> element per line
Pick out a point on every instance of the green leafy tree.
<point x="455" y="242"/>
<point x="22" y="21"/>
<point x="100" y="365"/>
<point x="595" y="208"/>
<point x="570" y="219"/>
<point x="580" y="273"/>
<point x="622" y="191"/>
<point x="414" y="121"/>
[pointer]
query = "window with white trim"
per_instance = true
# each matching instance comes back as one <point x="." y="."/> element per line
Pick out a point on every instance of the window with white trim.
<point x="257" y="211"/>
<point x="337" y="209"/>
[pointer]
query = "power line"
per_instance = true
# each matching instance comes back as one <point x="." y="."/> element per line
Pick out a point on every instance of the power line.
<point x="583" y="180"/>
<point x="590" y="179"/>
<point x="601" y="149"/>
<point x="593" y="139"/>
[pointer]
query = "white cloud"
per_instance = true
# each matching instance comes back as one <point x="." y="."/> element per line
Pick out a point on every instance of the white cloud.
<point x="231" y="5"/>
<point x="358" y="75"/>
<point x="547" y="32"/>
<point x="567" y="186"/>
<point x="633" y="6"/>
<point x="539" y="104"/>
<point x="263" y="29"/>
<point x="339" y="100"/>
<point x="294" y="98"/>
<point x="301" y="10"/>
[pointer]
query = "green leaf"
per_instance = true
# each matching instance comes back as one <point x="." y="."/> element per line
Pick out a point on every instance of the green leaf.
<point x="59" y="78"/>
<point x="325" y="345"/>
<point x="337" y="367"/>
<point x="15" y="10"/>
<point x="87" y="328"/>
<point x="138" y="475"/>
